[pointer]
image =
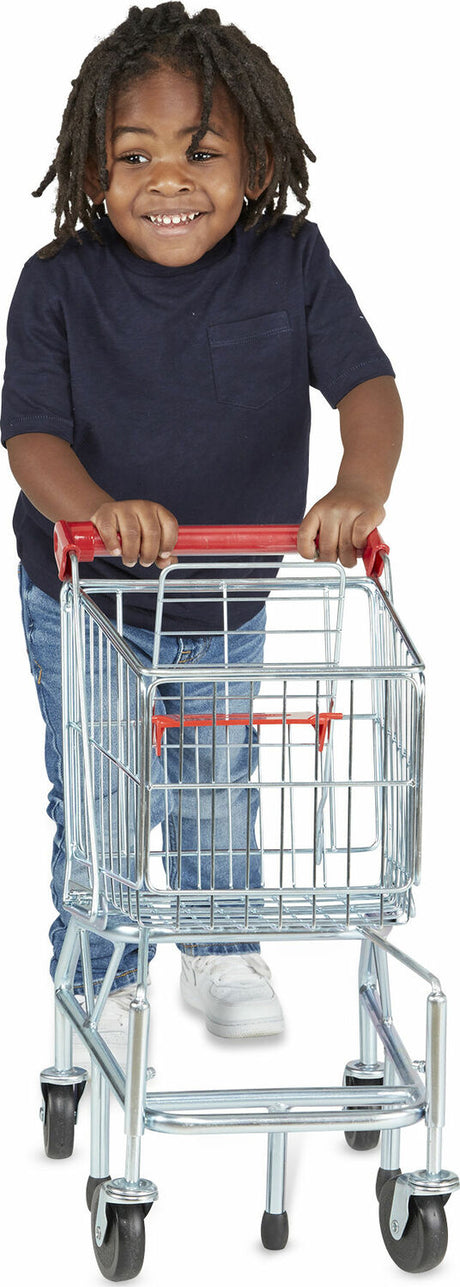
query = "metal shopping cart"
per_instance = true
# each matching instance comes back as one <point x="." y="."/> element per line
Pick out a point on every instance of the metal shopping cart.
<point x="327" y="844"/>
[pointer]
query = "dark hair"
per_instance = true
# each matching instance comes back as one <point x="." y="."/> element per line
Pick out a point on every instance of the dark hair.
<point x="200" y="46"/>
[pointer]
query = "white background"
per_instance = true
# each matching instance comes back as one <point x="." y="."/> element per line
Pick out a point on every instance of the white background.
<point x="374" y="87"/>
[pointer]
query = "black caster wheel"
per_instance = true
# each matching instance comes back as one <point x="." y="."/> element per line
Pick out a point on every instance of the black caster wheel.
<point x="274" y="1230"/>
<point x="424" y="1241"/>
<point x="121" y="1254"/>
<point x="362" y="1140"/>
<point x="61" y="1103"/>
<point x="382" y="1177"/>
<point x="91" y="1185"/>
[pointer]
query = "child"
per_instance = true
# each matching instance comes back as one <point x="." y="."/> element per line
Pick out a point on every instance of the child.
<point x="161" y="347"/>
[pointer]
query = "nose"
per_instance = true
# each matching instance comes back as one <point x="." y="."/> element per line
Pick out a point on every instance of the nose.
<point x="168" y="178"/>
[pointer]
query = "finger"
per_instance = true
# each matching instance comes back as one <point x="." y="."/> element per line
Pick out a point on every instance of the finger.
<point x="166" y="560"/>
<point x="328" y="543"/>
<point x="150" y="536"/>
<point x="347" y="551"/>
<point x="307" y="534"/>
<point x="168" y="537"/>
<point x="107" y="526"/>
<point x="130" y="534"/>
<point x="364" y="524"/>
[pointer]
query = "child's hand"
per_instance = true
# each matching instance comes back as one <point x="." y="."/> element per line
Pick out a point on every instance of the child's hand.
<point x="141" y="531"/>
<point x="341" y="521"/>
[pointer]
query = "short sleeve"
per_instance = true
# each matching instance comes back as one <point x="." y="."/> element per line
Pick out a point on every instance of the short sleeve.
<point x="36" y="392"/>
<point x="342" y="349"/>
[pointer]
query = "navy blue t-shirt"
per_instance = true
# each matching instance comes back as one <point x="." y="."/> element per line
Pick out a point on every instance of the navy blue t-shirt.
<point x="188" y="386"/>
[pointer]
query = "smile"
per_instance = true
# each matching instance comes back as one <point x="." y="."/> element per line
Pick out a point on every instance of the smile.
<point x="174" y="222"/>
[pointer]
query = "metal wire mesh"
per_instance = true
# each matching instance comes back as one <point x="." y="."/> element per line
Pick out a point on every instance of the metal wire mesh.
<point x="240" y="802"/>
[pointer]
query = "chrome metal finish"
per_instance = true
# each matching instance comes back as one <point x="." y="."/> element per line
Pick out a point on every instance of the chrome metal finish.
<point x="334" y="761"/>
<point x="276" y="1171"/>
<point x="73" y="1077"/>
<point x="100" y="1123"/>
<point x="391" y="1140"/>
<point x="367" y="1034"/>
<point x="435" y="1078"/>
<point x="122" y="1190"/>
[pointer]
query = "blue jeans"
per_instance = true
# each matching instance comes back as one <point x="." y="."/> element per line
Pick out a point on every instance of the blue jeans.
<point x="41" y="620"/>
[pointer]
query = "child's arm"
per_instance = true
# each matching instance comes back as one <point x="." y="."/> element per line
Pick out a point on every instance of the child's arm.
<point x="371" y="423"/>
<point x="58" y="485"/>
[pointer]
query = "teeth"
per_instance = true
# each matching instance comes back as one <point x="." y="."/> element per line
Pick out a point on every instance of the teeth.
<point x="168" y="219"/>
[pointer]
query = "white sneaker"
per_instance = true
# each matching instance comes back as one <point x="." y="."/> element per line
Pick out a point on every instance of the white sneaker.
<point x="233" y="992"/>
<point x="113" y="1027"/>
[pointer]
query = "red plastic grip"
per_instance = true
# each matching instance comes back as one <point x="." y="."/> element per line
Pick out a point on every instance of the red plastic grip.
<point x="372" y="554"/>
<point x="83" y="540"/>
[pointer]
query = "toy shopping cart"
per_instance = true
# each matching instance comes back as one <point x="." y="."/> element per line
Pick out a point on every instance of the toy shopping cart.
<point x="276" y="796"/>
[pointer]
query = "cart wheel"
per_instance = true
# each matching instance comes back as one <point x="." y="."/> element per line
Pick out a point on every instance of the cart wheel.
<point x="92" y="1184"/>
<point x="362" y="1140"/>
<point x="424" y="1241"/>
<point x="274" y="1230"/>
<point x="61" y="1103"/>
<point x="121" y="1254"/>
<point x="382" y="1177"/>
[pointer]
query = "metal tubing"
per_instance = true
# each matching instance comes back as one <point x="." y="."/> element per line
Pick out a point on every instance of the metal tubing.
<point x="435" y="1078"/>
<point x="136" y="1072"/>
<point x="138" y="1032"/>
<point x="339" y="1097"/>
<point x="276" y="1172"/>
<point x="100" y="1118"/>
<point x="367" y="1034"/>
<point x="404" y="959"/>
<point x="106" y="983"/>
<point x="381" y="965"/>
<point x="63" y="1057"/>
<point x="392" y="1042"/>
<point x="181" y="1122"/>
<point x="95" y="1043"/>
<point x="65" y="970"/>
<point x="391" y="1140"/>
<point x="133" y="1159"/>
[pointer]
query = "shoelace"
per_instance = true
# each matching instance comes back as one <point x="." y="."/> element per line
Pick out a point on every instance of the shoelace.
<point x="233" y="963"/>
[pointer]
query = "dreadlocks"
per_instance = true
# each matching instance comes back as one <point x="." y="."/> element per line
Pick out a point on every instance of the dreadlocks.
<point x="200" y="46"/>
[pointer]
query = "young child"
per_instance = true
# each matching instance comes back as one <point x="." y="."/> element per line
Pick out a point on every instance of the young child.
<point x="162" y="348"/>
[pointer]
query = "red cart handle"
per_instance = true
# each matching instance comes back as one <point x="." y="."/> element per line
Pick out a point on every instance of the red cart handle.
<point x="160" y="722"/>
<point x="83" y="540"/>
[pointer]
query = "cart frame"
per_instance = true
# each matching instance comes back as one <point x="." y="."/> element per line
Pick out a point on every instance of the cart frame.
<point x="376" y="1096"/>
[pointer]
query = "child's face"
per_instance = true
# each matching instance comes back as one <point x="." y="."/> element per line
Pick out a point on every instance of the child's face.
<point x="150" y="129"/>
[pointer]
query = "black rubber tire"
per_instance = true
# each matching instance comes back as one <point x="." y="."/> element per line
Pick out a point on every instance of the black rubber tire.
<point x="424" y="1241"/>
<point x="382" y="1177"/>
<point x="361" y="1141"/>
<point x="121" y="1255"/>
<point x="59" y="1120"/>
<point x="274" y="1230"/>
<point x="92" y="1184"/>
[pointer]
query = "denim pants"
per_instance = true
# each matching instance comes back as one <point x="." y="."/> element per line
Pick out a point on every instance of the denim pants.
<point x="41" y="620"/>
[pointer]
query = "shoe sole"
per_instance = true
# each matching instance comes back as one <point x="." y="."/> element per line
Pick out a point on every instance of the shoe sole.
<point x="236" y="1030"/>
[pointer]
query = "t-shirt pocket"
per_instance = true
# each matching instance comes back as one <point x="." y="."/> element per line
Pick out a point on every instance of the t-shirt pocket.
<point x="252" y="359"/>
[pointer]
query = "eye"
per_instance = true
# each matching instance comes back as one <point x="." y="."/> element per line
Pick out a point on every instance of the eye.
<point x="203" y="156"/>
<point x="134" y="158"/>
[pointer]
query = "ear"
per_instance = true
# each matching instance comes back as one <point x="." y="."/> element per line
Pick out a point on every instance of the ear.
<point x="93" y="183"/>
<point x="255" y="192"/>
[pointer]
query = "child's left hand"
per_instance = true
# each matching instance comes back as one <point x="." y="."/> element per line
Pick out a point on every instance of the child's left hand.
<point x="338" y="525"/>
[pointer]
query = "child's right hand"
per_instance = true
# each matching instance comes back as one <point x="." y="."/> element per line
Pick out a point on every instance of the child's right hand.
<point x="138" y="530"/>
